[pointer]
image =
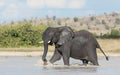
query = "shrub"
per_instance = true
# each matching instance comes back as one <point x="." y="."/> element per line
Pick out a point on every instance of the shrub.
<point x="117" y="20"/>
<point x="23" y="35"/>
<point x="75" y="19"/>
<point x="103" y="22"/>
<point x="92" y="18"/>
<point x="115" y="33"/>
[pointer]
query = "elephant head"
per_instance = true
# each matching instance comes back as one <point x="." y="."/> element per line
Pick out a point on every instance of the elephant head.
<point x="58" y="36"/>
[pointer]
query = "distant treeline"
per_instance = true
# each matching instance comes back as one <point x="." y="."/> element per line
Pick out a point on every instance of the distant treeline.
<point x="28" y="35"/>
<point x="114" y="34"/>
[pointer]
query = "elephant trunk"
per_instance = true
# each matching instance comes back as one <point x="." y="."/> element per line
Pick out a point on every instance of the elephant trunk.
<point x="45" y="52"/>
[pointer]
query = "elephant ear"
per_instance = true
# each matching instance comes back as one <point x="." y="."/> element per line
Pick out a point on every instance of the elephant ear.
<point x="73" y="35"/>
<point x="71" y="32"/>
<point x="69" y="29"/>
<point x="45" y="33"/>
<point x="55" y="38"/>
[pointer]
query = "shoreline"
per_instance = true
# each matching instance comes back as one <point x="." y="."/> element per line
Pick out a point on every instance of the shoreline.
<point x="38" y="53"/>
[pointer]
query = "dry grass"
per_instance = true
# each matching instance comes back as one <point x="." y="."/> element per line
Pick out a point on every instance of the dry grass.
<point x="110" y="45"/>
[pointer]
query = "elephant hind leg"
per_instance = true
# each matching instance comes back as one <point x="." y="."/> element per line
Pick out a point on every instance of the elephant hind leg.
<point x="94" y="62"/>
<point x="93" y="59"/>
<point x="85" y="62"/>
<point x="92" y="55"/>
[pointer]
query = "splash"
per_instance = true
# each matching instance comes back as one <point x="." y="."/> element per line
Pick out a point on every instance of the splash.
<point x="40" y="63"/>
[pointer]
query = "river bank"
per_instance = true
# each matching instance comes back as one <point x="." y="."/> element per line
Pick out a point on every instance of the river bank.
<point x="110" y="47"/>
<point x="38" y="53"/>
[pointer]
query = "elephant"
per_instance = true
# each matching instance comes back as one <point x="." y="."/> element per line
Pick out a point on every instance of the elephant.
<point x="81" y="46"/>
<point x="48" y="35"/>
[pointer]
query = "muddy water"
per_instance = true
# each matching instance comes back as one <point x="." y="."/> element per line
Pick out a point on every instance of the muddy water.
<point x="33" y="66"/>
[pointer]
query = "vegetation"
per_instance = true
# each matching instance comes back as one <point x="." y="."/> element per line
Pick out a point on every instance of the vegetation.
<point x="75" y="19"/>
<point x="103" y="22"/>
<point x="24" y="35"/>
<point x="117" y="20"/>
<point x="92" y="18"/>
<point x="28" y="33"/>
<point x="114" y="34"/>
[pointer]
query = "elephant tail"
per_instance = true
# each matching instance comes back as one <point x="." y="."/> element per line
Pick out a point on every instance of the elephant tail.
<point x="107" y="58"/>
<point x="98" y="46"/>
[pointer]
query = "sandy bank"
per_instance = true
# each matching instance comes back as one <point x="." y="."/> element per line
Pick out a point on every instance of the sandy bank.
<point x="38" y="53"/>
<point x="23" y="53"/>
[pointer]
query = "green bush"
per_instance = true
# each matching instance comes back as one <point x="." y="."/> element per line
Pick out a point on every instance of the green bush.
<point x="114" y="34"/>
<point x="75" y="19"/>
<point x="25" y="35"/>
<point x="117" y="20"/>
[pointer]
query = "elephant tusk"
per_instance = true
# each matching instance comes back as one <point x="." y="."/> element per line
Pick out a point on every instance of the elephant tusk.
<point x="41" y="42"/>
<point x="49" y="41"/>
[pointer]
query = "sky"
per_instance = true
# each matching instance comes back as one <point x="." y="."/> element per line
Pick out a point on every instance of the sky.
<point x="15" y="10"/>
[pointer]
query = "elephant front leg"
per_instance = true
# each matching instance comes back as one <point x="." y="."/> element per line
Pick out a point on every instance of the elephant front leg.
<point x="56" y="56"/>
<point x="66" y="60"/>
<point x="66" y="54"/>
<point x="45" y="53"/>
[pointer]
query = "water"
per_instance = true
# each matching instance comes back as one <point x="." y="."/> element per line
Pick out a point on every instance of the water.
<point x="33" y="66"/>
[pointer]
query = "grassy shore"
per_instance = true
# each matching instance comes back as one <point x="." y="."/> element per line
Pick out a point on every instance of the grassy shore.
<point x="108" y="45"/>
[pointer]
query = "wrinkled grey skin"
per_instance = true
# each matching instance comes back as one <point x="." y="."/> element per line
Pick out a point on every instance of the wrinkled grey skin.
<point x="82" y="46"/>
<point x="48" y="39"/>
<point x="67" y="35"/>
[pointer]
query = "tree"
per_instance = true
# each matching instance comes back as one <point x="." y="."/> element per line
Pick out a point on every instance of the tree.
<point x="107" y="27"/>
<point x="117" y="21"/>
<point x="115" y="33"/>
<point x="54" y="17"/>
<point x="103" y="22"/>
<point x="92" y="18"/>
<point x="75" y="19"/>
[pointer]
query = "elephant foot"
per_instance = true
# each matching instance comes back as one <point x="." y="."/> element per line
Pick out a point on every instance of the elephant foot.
<point x="85" y="64"/>
<point x="66" y="64"/>
<point x="45" y="63"/>
<point x="96" y="64"/>
<point x="48" y="64"/>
